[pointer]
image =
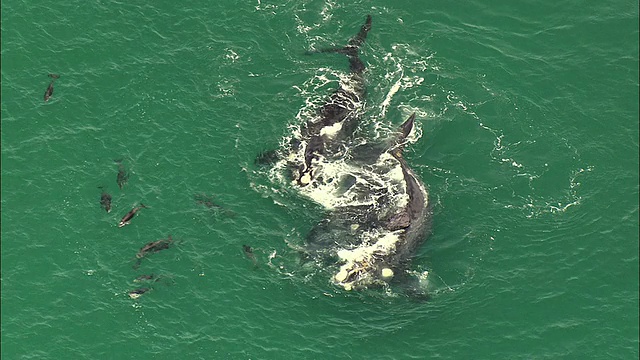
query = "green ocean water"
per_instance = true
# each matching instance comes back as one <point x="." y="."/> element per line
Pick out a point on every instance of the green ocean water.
<point x="529" y="119"/>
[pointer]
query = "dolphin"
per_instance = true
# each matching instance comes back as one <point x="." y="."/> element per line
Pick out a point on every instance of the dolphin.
<point x="154" y="246"/>
<point x="127" y="218"/>
<point x="105" y="200"/>
<point x="49" y="92"/>
<point x="206" y="201"/>
<point x="248" y="251"/>
<point x="134" y="294"/>
<point x="123" y="175"/>
<point x="145" y="277"/>
<point x="150" y="248"/>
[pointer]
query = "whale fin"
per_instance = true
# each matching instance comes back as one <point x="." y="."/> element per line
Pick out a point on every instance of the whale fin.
<point x="405" y="130"/>
<point x="406" y="127"/>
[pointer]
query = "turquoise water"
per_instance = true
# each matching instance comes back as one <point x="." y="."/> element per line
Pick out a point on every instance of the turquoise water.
<point x="529" y="148"/>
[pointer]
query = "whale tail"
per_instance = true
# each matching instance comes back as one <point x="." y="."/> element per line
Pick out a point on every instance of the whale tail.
<point x="359" y="39"/>
<point x="351" y="50"/>
<point x="54" y="76"/>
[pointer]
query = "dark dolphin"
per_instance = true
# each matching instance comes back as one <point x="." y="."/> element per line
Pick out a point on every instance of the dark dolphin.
<point x="248" y="251"/>
<point x="49" y="92"/>
<point x="151" y="248"/>
<point x="149" y="277"/>
<point x="105" y="200"/>
<point x="134" y="294"/>
<point x="123" y="175"/>
<point x="127" y="218"/>
<point x="154" y="247"/>
<point x="209" y="203"/>
<point x="206" y="201"/>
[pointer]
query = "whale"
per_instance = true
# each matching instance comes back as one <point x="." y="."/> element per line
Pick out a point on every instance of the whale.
<point x="375" y="239"/>
<point x="337" y="118"/>
<point x="377" y="210"/>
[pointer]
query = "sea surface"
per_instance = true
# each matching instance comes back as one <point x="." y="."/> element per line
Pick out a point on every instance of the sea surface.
<point x="527" y="113"/>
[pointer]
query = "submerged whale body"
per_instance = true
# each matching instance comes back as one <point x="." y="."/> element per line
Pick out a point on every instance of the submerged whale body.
<point x="378" y="209"/>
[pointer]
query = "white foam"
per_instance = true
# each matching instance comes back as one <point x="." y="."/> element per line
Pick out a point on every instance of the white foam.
<point x="360" y="259"/>
<point x="327" y="187"/>
<point x="394" y="89"/>
<point x="331" y="131"/>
